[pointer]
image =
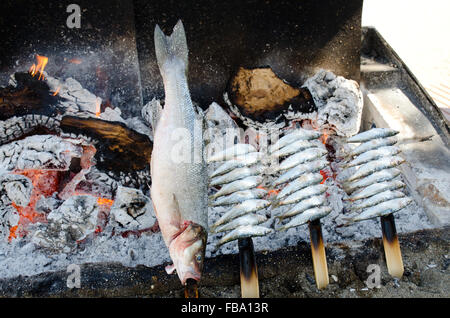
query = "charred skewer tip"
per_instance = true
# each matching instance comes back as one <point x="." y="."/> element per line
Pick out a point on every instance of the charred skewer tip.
<point x="191" y="288"/>
<point x="318" y="254"/>
<point x="391" y="245"/>
<point x="248" y="269"/>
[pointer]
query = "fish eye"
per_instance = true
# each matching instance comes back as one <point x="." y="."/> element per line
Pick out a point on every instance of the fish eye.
<point x="198" y="258"/>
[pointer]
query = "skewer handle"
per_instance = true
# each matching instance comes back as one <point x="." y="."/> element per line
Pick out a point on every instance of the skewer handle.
<point x="191" y="288"/>
<point x="391" y="245"/>
<point x="249" y="270"/>
<point x="318" y="254"/>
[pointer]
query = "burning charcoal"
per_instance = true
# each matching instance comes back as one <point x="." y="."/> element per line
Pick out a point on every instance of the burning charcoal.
<point x="9" y="219"/>
<point x="47" y="204"/>
<point x="17" y="188"/>
<point x="132" y="210"/>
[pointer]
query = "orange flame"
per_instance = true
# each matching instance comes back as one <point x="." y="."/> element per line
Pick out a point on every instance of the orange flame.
<point x="97" y="108"/>
<point x="104" y="201"/>
<point x="324" y="137"/>
<point x="57" y="91"/>
<point x="41" y="63"/>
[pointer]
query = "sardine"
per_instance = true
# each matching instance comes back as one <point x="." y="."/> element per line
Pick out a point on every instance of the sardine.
<point x="232" y="152"/>
<point x="295" y="147"/>
<point x="376" y="188"/>
<point x="248" y="219"/>
<point x="241" y="209"/>
<point x="307" y="216"/>
<point x="373" y="134"/>
<point x="236" y="174"/>
<point x="373" y="144"/>
<point x="377" y="198"/>
<point x="301" y="182"/>
<point x="301" y="157"/>
<point x="244" y="232"/>
<point x="297" y="171"/>
<point x="240" y="196"/>
<point x="240" y="161"/>
<point x="379" y="176"/>
<point x="179" y="188"/>
<point x="373" y="155"/>
<point x="304" y="205"/>
<point x="303" y="194"/>
<point x="374" y="166"/>
<point x="297" y="134"/>
<point x="239" y="185"/>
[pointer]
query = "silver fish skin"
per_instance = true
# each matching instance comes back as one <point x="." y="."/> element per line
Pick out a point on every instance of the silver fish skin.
<point x="373" y="144"/>
<point x="377" y="198"/>
<point x="236" y="174"/>
<point x="248" y="219"/>
<point x="373" y="134"/>
<point x="239" y="162"/>
<point x="379" y="176"/>
<point x="240" y="209"/>
<point x="297" y="171"/>
<point x="301" y="157"/>
<point x="374" y="166"/>
<point x="382" y="209"/>
<point x="376" y="188"/>
<point x="297" y="134"/>
<point x="238" y="185"/>
<point x="179" y="188"/>
<point x="295" y="147"/>
<point x="244" y="232"/>
<point x="304" y="205"/>
<point x="307" y="216"/>
<point x="239" y="197"/>
<point x="301" y="182"/>
<point x="303" y="194"/>
<point x="232" y="152"/>
<point x="373" y="155"/>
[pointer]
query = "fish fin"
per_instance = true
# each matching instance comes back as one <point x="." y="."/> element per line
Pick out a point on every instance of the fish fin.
<point x="170" y="269"/>
<point x="169" y="47"/>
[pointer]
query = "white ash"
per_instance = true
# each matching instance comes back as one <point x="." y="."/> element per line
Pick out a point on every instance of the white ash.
<point x="47" y="204"/>
<point x="339" y="102"/>
<point x="132" y="210"/>
<point x="98" y="183"/>
<point x="9" y="217"/>
<point x="140" y="125"/>
<point x="15" y="189"/>
<point x="14" y="127"/>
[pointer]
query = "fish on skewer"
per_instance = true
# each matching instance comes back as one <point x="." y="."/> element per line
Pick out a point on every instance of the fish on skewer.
<point x="301" y="157"/>
<point x="244" y="231"/>
<point x="379" y="176"/>
<point x="248" y="219"/>
<point x="312" y="202"/>
<point x="303" y="194"/>
<point x="243" y="208"/>
<point x="376" y="188"/>
<point x="377" y="198"/>
<point x="307" y="216"/>
<point x="238" y="185"/>
<point x="295" y="147"/>
<point x="232" y="152"/>
<point x="295" y="172"/>
<point x="236" y="174"/>
<point x="373" y="144"/>
<point x="239" y="197"/>
<point x="373" y="133"/>
<point x="239" y="162"/>
<point x="298" y="134"/>
<point x="301" y="182"/>
<point x="373" y="155"/>
<point x="373" y="166"/>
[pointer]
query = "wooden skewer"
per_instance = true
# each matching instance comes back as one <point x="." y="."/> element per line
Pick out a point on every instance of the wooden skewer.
<point x="318" y="254"/>
<point x="191" y="288"/>
<point x="391" y="245"/>
<point x="249" y="270"/>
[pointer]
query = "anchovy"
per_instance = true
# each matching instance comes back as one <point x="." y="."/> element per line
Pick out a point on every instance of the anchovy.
<point x="236" y="174"/>
<point x="377" y="198"/>
<point x="301" y="157"/>
<point x="373" y="144"/>
<point x="241" y="209"/>
<point x="373" y="154"/>
<point x="300" y="183"/>
<point x="244" y="232"/>
<point x="295" y="147"/>
<point x="298" y="134"/>
<point x="379" y="176"/>
<point x="304" y="205"/>
<point x="239" y="185"/>
<point x="248" y="219"/>
<point x="307" y="216"/>
<point x="373" y="166"/>
<point x="376" y="188"/>
<point x="381" y="209"/>
<point x="232" y="152"/>
<point x="303" y="194"/>
<point x="240" y="196"/>
<point x="297" y="171"/>
<point x="373" y="134"/>
<point x="238" y="162"/>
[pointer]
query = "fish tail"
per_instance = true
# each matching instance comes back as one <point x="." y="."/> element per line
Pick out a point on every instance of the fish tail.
<point x="171" y="47"/>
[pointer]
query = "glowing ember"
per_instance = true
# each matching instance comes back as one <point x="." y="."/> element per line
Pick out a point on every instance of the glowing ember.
<point x="270" y="192"/>
<point x="57" y="91"/>
<point x="324" y="137"/>
<point x="104" y="201"/>
<point x="75" y="61"/>
<point x="41" y="63"/>
<point x="97" y="107"/>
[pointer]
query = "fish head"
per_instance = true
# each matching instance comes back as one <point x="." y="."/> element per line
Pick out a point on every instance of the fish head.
<point x="187" y="251"/>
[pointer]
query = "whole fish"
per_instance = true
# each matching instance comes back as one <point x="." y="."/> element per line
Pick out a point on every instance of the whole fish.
<point x="248" y="219"/>
<point x="297" y="171"/>
<point x="304" y="205"/>
<point x="240" y="196"/>
<point x="238" y="185"/>
<point x="295" y="147"/>
<point x="379" y="176"/>
<point x="303" y="194"/>
<point x="234" y="175"/>
<point x="232" y="152"/>
<point x="241" y="209"/>
<point x="240" y="161"/>
<point x="307" y="216"/>
<point x="373" y="154"/>
<point x="300" y="183"/>
<point x="179" y="188"/>
<point x="244" y="232"/>
<point x="381" y="209"/>
<point x="376" y="188"/>
<point x="373" y="134"/>
<point x="374" y="166"/>
<point x="377" y="198"/>
<point x="301" y="157"/>
<point x="373" y="144"/>
<point x="297" y="134"/>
